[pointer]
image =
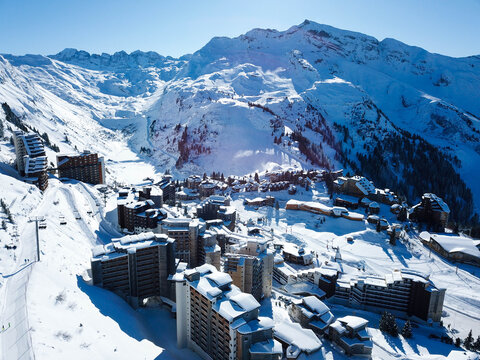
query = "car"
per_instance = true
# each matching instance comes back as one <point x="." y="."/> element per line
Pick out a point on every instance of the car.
<point x="62" y="220"/>
<point x="42" y="224"/>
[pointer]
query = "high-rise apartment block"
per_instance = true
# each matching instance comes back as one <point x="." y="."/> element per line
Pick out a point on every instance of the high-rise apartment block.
<point x="218" y="321"/>
<point x="31" y="159"/>
<point x="87" y="167"/>
<point x="136" y="267"/>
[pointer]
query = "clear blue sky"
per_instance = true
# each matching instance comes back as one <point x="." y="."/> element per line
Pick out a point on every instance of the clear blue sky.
<point x="450" y="27"/>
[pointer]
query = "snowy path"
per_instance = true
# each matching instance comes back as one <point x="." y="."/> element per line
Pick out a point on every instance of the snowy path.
<point x="15" y="341"/>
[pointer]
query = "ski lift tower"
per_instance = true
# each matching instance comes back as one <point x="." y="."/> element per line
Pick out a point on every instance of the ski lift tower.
<point x="37" y="219"/>
<point x="338" y="256"/>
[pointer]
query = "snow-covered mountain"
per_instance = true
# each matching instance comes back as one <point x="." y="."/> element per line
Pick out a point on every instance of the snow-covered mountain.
<point x="309" y="96"/>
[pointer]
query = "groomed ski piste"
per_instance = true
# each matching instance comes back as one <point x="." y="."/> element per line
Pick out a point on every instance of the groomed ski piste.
<point x="48" y="309"/>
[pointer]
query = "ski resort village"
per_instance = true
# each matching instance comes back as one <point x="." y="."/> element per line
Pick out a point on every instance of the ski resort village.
<point x="281" y="264"/>
<point x="310" y="193"/>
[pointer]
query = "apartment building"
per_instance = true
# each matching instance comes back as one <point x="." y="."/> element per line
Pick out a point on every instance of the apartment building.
<point x="135" y="267"/>
<point x="405" y="293"/>
<point x="31" y="159"/>
<point x="208" y="250"/>
<point x="433" y="211"/>
<point x="186" y="233"/>
<point x="218" y="321"/>
<point x="168" y="189"/>
<point x="246" y="273"/>
<point x="218" y="207"/>
<point x="139" y="209"/>
<point x="87" y="167"/>
<point x="258" y="247"/>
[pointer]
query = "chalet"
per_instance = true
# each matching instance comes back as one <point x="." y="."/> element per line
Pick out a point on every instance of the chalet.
<point x="311" y="313"/>
<point x="373" y="219"/>
<point x="373" y="208"/>
<point x="358" y="186"/>
<point x="347" y="201"/>
<point x="453" y="247"/>
<point x="296" y="255"/>
<point x="351" y="334"/>
<point x="267" y="201"/>
<point x="433" y="211"/>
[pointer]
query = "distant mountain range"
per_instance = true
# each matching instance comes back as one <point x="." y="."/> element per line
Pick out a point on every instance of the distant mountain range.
<point x="310" y="96"/>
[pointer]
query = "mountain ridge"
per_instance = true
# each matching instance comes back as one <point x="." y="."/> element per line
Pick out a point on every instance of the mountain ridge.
<point x="340" y="95"/>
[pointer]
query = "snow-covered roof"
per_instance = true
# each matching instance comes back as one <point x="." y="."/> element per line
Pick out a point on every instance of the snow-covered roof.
<point x="294" y="334"/>
<point x="269" y="346"/>
<point x="354" y="322"/>
<point x="219" y="278"/>
<point x="262" y="323"/>
<point x="235" y="304"/>
<point x="129" y="243"/>
<point x="315" y="305"/>
<point x="438" y="200"/>
<point x="453" y="243"/>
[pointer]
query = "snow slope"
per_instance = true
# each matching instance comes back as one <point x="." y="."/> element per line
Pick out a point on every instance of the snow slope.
<point x="232" y="98"/>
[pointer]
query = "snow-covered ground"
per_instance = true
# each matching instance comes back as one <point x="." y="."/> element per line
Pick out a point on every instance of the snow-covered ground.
<point x="67" y="317"/>
<point x="371" y="251"/>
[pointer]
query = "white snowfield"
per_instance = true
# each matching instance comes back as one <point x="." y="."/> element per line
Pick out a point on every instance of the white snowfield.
<point x="232" y="97"/>
<point x="52" y="311"/>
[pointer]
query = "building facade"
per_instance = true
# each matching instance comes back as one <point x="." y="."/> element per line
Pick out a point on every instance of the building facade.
<point x="136" y="267"/>
<point x="246" y="273"/>
<point x="404" y="293"/>
<point x="186" y="233"/>
<point x="87" y="167"/>
<point x="31" y="159"/>
<point x="140" y="210"/>
<point x="432" y="211"/>
<point x="218" y="207"/>
<point x="220" y="322"/>
<point x="351" y="334"/>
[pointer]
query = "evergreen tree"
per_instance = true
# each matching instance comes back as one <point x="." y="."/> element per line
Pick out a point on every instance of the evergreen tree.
<point x="256" y="178"/>
<point x="402" y="215"/>
<point x="476" y="344"/>
<point x="458" y="342"/>
<point x="388" y="324"/>
<point x="393" y="328"/>
<point x="379" y="227"/>
<point x="222" y="178"/>
<point x="277" y="205"/>
<point x="407" y="330"/>
<point x="383" y="322"/>
<point x="468" y="342"/>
